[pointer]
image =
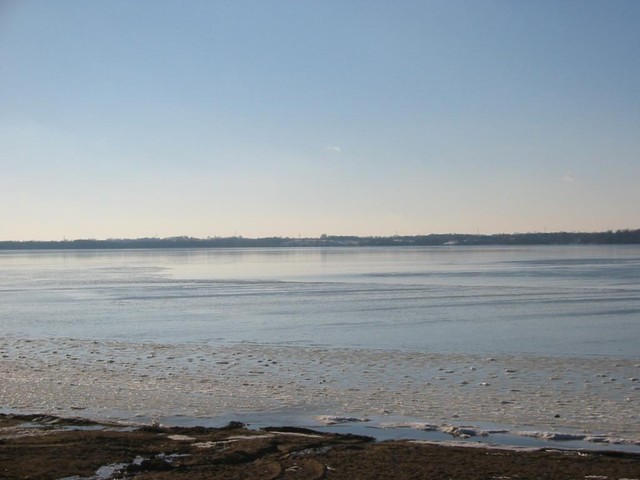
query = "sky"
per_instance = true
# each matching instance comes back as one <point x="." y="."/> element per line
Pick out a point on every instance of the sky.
<point x="157" y="118"/>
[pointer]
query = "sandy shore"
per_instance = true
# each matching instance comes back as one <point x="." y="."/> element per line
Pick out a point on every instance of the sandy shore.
<point x="45" y="447"/>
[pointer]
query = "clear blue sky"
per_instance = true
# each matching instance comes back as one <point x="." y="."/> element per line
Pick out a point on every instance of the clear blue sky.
<point x="125" y="118"/>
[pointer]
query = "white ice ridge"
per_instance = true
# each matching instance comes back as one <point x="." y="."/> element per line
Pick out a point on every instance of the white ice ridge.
<point x="564" y="436"/>
<point x="460" y="431"/>
<point x="468" y="431"/>
<point x="596" y="396"/>
<point x="337" y="419"/>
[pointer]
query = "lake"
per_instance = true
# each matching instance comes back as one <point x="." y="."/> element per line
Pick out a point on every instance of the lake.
<point x="576" y="300"/>
<point x="495" y="335"/>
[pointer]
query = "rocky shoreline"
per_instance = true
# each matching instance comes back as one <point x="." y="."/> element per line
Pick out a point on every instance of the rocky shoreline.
<point x="52" y="448"/>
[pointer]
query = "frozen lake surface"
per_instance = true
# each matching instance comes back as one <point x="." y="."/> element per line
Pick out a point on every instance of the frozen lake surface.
<point x="537" y="341"/>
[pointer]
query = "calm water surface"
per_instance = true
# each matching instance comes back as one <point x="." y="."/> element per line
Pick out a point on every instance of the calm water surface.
<point x="549" y="300"/>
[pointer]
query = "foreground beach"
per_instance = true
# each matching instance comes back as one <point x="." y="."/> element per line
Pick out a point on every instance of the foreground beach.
<point x="45" y="447"/>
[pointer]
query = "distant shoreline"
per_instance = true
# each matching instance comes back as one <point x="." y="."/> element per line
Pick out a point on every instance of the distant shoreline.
<point x="618" y="237"/>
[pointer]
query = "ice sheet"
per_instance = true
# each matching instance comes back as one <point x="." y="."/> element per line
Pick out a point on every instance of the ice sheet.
<point x="589" y="397"/>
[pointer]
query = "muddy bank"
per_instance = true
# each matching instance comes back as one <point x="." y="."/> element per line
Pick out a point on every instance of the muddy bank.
<point x="43" y="447"/>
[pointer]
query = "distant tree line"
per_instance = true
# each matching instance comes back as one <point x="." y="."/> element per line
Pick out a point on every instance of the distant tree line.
<point x="554" y="238"/>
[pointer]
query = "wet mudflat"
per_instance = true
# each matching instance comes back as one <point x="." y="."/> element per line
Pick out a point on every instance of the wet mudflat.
<point x="40" y="448"/>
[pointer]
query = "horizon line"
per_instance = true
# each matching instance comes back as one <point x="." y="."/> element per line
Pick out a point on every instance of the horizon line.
<point x="324" y="236"/>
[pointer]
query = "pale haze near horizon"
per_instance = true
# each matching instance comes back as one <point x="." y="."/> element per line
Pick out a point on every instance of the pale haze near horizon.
<point x="287" y="118"/>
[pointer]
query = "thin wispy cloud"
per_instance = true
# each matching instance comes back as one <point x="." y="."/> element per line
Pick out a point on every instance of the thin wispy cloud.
<point x="334" y="149"/>
<point x="568" y="177"/>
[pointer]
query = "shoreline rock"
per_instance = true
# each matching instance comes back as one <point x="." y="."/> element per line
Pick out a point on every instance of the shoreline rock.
<point x="42" y="447"/>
